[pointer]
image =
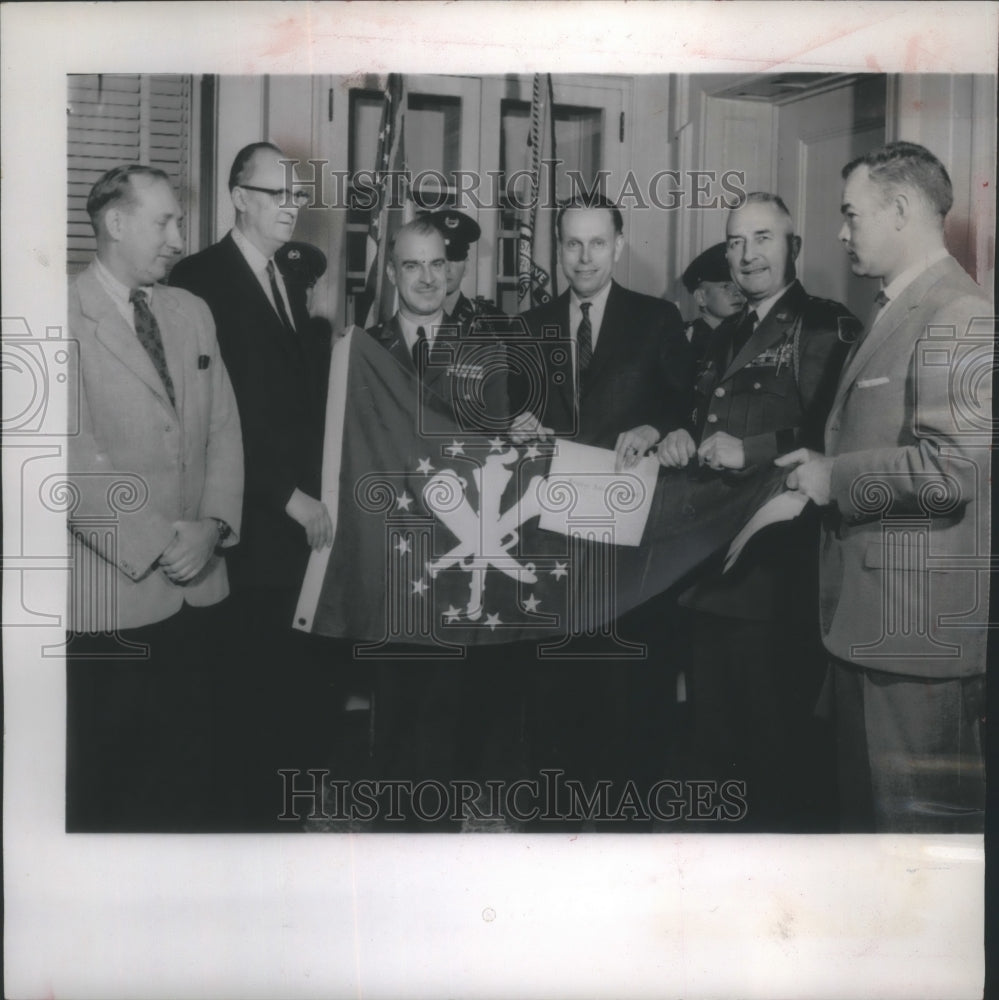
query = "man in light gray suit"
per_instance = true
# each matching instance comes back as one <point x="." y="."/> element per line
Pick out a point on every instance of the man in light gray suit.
<point x="904" y="480"/>
<point x="157" y="476"/>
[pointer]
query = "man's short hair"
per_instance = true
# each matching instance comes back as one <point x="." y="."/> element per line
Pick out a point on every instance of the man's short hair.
<point x="115" y="185"/>
<point x="581" y="200"/>
<point x="420" y="226"/>
<point x="767" y="198"/>
<point x="242" y="161"/>
<point x="907" y="164"/>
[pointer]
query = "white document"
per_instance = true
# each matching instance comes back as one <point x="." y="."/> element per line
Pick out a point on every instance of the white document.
<point x="582" y="493"/>
<point x="783" y="507"/>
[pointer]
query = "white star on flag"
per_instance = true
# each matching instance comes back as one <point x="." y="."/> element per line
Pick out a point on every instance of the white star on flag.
<point x="492" y="621"/>
<point x="405" y="501"/>
<point x="424" y="467"/>
<point x="531" y="452"/>
<point x="402" y="546"/>
<point x="496" y="444"/>
<point x="452" y="614"/>
<point x="456" y="448"/>
<point x="419" y="586"/>
<point x="560" y="570"/>
<point x="531" y="604"/>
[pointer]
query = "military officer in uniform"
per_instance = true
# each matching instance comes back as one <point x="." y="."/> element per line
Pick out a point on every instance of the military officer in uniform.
<point x="764" y="388"/>
<point x="420" y="700"/>
<point x="709" y="280"/>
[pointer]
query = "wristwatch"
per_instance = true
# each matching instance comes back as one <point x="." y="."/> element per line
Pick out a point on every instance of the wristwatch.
<point x="224" y="530"/>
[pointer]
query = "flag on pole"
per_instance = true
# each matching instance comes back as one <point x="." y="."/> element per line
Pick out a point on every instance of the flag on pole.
<point x="536" y="262"/>
<point x="437" y="529"/>
<point x="393" y="208"/>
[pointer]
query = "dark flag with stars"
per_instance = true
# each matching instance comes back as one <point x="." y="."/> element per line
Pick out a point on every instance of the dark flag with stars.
<point x="437" y="537"/>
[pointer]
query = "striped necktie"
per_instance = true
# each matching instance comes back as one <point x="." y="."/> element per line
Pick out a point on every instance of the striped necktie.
<point x="584" y="338"/>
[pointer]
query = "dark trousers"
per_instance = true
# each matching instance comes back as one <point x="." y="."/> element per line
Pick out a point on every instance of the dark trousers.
<point x="144" y="752"/>
<point x="909" y="751"/>
<point x="753" y="686"/>
<point x="283" y="690"/>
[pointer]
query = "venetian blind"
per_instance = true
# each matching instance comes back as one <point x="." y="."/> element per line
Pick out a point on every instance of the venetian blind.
<point x="114" y="120"/>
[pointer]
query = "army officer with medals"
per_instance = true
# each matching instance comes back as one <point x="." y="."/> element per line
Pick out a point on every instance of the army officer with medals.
<point x="764" y="388"/>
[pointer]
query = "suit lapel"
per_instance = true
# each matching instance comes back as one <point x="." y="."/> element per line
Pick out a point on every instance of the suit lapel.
<point x="256" y="300"/>
<point x="770" y="331"/>
<point x="389" y="335"/>
<point x="609" y="336"/>
<point x="115" y="334"/>
<point x="437" y="373"/>
<point x="894" y="319"/>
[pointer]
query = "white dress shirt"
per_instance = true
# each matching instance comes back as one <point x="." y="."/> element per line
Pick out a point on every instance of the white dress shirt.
<point x="258" y="265"/>
<point x="409" y="327"/>
<point x="120" y="294"/>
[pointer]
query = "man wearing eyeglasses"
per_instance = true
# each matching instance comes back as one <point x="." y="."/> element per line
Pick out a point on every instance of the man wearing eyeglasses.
<point x="279" y="377"/>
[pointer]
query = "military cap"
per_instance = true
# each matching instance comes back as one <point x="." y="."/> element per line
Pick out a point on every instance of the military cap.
<point x="301" y="262"/>
<point x="458" y="230"/>
<point x="708" y="266"/>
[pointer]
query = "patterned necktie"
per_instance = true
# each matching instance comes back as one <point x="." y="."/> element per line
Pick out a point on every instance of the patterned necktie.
<point x="148" y="332"/>
<point x="278" y="298"/>
<point x="743" y="332"/>
<point x="584" y="338"/>
<point x="421" y="338"/>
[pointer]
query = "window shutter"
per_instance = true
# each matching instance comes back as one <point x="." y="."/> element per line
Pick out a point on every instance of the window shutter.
<point x="115" y="120"/>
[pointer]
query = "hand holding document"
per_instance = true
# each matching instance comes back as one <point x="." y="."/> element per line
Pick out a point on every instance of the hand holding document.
<point x="783" y="507"/>
<point x="582" y="489"/>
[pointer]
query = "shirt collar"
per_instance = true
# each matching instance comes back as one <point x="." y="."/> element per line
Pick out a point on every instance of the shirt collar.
<point x="119" y="292"/>
<point x="599" y="300"/>
<point x="763" y="308"/>
<point x="909" y="275"/>
<point x="254" y="257"/>
<point x="409" y="327"/>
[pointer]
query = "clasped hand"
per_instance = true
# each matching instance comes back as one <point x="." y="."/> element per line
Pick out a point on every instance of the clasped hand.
<point x="192" y="546"/>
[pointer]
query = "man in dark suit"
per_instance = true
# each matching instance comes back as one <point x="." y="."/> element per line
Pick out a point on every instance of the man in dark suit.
<point x="279" y="376"/>
<point x="709" y="280"/>
<point x="904" y="482"/>
<point x="765" y="386"/>
<point x="617" y="375"/>
<point x="157" y="473"/>
<point x="626" y="381"/>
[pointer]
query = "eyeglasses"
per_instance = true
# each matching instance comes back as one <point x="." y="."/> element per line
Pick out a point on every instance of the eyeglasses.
<point x="281" y="195"/>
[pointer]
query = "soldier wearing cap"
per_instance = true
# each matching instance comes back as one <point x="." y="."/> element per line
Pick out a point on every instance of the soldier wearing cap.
<point x="301" y="263"/>
<point x="459" y="232"/>
<point x="716" y="295"/>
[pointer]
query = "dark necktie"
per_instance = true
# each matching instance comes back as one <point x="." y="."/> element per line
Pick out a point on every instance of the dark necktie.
<point x="278" y="299"/>
<point x="421" y="338"/>
<point x="584" y="338"/>
<point x="148" y="332"/>
<point x="743" y="332"/>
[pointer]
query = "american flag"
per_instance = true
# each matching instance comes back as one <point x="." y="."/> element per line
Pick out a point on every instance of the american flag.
<point x="536" y="245"/>
<point x="391" y="211"/>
